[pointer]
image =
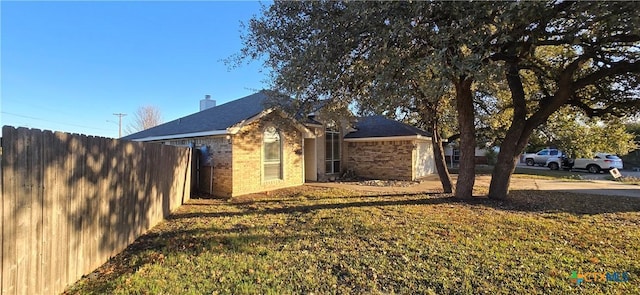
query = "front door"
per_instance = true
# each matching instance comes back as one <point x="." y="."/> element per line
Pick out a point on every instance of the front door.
<point x="310" y="160"/>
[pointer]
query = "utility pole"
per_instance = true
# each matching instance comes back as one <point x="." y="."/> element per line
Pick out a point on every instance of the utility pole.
<point x="120" y="115"/>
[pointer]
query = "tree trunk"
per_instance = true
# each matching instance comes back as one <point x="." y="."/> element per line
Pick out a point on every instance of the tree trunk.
<point x="438" y="156"/>
<point x="509" y="149"/>
<point x="506" y="163"/>
<point x="466" y="117"/>
<point x="519" y="132"/>
<point x="429" y="116"/>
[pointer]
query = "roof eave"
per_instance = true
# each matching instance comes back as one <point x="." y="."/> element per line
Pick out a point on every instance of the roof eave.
<point x="237" y="127"/>
<point x="183" y="135"/>
<point x="389" y="138"/>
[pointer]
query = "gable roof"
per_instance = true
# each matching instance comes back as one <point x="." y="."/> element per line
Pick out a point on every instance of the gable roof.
<point x="215" y="120"/>
<point x="380" y="126"/>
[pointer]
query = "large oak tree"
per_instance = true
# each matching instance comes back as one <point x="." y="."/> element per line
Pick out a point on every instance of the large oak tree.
<point x="380" y="56"/>
<point x="387" y="56"/>
<point x="583" y="54"/>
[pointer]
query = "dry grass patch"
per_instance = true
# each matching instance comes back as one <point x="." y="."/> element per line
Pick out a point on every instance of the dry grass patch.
<point x="313" y="240"/>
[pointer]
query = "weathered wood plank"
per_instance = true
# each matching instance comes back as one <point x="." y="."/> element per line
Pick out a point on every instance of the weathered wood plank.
<point x="64" y="216"/>
<point x="80" y="208"/>
<point x="142" y="217"/>
<point x="23" y="211"/>
<point x="186" y="181"/>
<point x="85" y="211"/>
<point x="114" y="209"/>
<point x="107" y="197"/>
<point x="2" y="221"/>
<point x="37" y="199"/>
<point x="72" y="213"/>
<point x="58" y="222"/>
<point x="10" y="156"/>
<point x="95" y="164"/>
<point x="48" y="170"/>
<point x="121" y="207"/>
<point x="186" y="161"/>
<point x="155" y="176"/>
<point x="104" y="202"/>
<point x="113" y="203"/>
<point x="130" y="193"/>
<point x="51" y="228"/>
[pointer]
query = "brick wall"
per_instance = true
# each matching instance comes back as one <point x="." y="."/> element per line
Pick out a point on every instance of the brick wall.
<point x="381" y="159"/>
<point x="221" y="153"/>
<point x="237" y="162"/>
<point x="218" y="149"/>
<point x="247" y="157"/>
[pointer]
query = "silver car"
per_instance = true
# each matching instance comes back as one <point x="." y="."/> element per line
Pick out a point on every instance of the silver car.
<point x="541" y="157"/>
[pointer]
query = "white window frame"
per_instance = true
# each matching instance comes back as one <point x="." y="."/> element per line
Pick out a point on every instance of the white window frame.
<point x="265" y="162"/>
<point x="330" y="156"/>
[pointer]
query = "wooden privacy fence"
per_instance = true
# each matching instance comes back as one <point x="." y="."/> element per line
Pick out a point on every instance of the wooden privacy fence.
<point x="70" y="202"/>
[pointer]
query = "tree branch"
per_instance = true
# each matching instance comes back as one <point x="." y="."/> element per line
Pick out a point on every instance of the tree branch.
<point x="591" y="112"/>
<point x="615" y="68"/>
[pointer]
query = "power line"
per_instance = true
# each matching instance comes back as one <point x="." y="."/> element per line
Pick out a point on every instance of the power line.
<point x="50" y="121"/>
<point x="120" y="115"/>
<point x="39" y="106"/>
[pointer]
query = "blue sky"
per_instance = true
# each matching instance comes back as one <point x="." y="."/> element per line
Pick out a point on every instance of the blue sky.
<point x="68" y="66"/>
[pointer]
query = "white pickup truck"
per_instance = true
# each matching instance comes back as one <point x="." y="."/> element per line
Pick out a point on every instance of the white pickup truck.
<point x="601" y="161"/>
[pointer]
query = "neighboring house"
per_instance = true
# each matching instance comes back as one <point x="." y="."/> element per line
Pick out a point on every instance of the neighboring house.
<point x="452" y="155"/>
<point x="244" y="147"/>
<point x="386" y="149"/>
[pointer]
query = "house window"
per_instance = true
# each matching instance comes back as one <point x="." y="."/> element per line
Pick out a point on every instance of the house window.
<point x="332" y="151"/>
<point x="272" y="160"/>
<point x="456" y="155"/>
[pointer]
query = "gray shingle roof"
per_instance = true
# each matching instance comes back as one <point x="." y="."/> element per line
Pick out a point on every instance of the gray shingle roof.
<point x="217" y="118"/>
<point x="379" y="126"/>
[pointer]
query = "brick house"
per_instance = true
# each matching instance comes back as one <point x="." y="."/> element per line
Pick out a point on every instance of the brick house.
<point x="243" y="147"/>
<point x="381" y="148"/>
<point x="452" y="154"/>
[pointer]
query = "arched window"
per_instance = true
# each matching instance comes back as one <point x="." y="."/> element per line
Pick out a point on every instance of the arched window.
<point x="272" y="159"/>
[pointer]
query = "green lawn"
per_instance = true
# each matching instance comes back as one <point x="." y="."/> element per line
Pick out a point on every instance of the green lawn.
<point x="323" y="241"/>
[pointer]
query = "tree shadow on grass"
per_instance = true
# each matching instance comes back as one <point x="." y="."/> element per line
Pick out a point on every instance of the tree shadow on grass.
<point x="519" y="200"/>
<point x="263" y="199"/>
<point x="290" y="207"/>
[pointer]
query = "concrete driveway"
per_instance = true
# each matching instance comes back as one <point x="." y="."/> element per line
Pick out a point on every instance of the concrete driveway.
<point x="594" y="187"/>
<point x="432" y="184"/>
<point x="584" y="174"/>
